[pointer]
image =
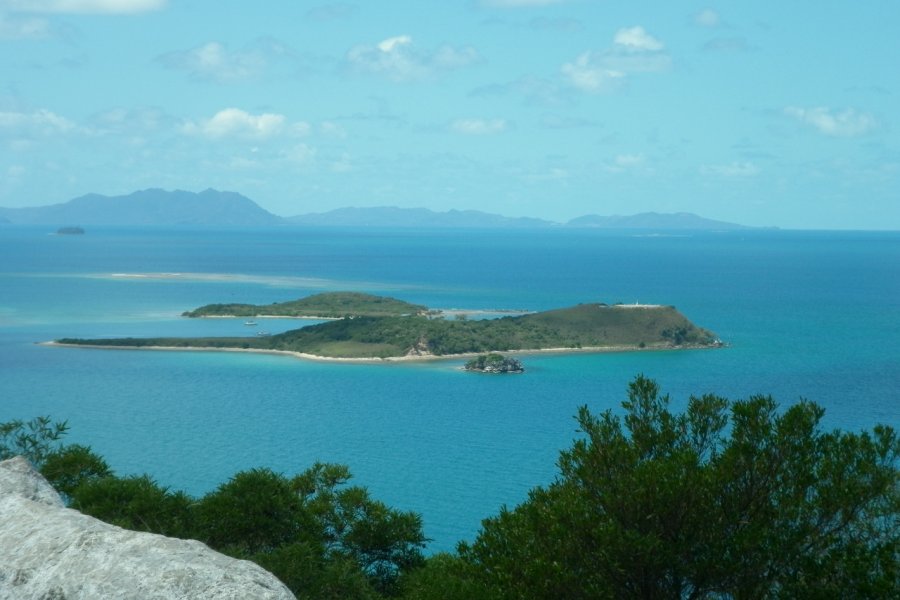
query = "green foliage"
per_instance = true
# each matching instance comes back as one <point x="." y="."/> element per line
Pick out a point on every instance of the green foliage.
<point x="320" y="536"/>
<point x="306" y="570"/>
<point x="73" y="465"/>
<point x="445" y="577"/>
<point x="723" y="500"/>
<point x="35" y="439"/>
<point x="383" y="542"/>
<point x="256" y="511"/>
<point x="494" y="363"/>
<point x="135" y="502"/>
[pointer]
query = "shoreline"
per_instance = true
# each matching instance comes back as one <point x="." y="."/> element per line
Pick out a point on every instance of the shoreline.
<point x="379" y="360"/>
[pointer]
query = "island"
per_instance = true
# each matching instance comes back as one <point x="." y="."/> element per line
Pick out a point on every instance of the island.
<point x="329" y="305"/>
<point x="416" y="335"/>
<point x="494" y="363"/>
<point x="70" y="231"/>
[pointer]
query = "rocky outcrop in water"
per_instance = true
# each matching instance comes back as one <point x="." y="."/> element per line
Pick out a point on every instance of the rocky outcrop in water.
<point x="49" y="552"/>
<point x="494" y="363"/>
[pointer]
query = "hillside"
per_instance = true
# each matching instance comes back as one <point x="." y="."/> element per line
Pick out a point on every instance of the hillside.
<point x="586" y="326"/>
<point x="329" y="305"/>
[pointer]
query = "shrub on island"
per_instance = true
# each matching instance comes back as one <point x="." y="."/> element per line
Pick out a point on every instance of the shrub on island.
<point x="494" y="363"/>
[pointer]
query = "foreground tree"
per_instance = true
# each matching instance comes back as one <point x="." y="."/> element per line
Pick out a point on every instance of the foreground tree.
<point x="35" y="439"/>
<point x="734" y="500"/>
<point x="319" y="535"/>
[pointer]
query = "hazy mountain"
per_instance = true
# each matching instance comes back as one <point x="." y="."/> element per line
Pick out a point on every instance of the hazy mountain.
<point x="148" y="207"/>
<point x="391" y="216"/>
<point x="652" y="220"/>
<point x="212" y="207"/>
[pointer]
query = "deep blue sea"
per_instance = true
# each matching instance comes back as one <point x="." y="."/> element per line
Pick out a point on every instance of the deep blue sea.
<point x="804" y="314"/>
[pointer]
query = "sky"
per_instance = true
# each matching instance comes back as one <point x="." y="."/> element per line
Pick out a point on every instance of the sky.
<point x="767" y="113"/>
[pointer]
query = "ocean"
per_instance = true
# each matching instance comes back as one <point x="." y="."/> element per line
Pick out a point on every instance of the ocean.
<point x="804" y="314"/>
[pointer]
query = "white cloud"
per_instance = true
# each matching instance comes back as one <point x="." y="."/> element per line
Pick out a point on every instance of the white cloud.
<point x="398" y="59"/>
<point x="518" y="3"/>
<point x="633" y="50"/>
<point x="331" y="12"/>
<point x="624" y="162"/>
<point x="40" y="122"/>
<point x="391" y="44"/>
<point x="214" y="62"/>
<point x="448" y="57"/>
<point x="300" y="154"/>
<point x="590" y="74"/>
<point x="12" y="28"/>
<point x="636" y="39"/>
<point x="707" y="18"/>
<point x="83" y="6"/>
<point x="846" y="123"/>
<point x="535" y="90"/>
<point x="132" y="121"/>
<point x="480" y="126"/>
<point x="728" y="44"/>
<point x="343" y="164"/>
<point x="234" y="122"/>
<point x="735" y="169"/>
<point x="629" y="160"/>
<point x="330" y="128"/>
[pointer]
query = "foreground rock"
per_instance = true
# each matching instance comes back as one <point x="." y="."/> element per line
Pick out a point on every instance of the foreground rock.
<point x="49" y="551"/>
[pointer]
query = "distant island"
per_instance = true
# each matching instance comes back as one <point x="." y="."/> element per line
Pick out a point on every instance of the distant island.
<point x="149" y="207"/>
<point x="70" y="231"/>
<point x="415" y="335"/>
<point x="157" y="207"/>
<point x="331" y="305"/>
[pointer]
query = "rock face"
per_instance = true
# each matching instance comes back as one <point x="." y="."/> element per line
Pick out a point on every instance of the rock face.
<point x="49" y="552"/>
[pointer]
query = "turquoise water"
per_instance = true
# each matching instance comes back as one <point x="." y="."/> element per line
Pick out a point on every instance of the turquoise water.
<point x="805" y="314"/>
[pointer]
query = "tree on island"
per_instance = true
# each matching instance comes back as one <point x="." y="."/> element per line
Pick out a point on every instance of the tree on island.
<point x="494" y="363"/>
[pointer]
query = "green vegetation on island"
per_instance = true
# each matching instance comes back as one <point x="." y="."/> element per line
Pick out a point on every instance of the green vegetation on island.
<point x="494" y="363"/>
<point x="585" y="326"/>
<point x="728" y="499"/>
<point x="329" y="305"/>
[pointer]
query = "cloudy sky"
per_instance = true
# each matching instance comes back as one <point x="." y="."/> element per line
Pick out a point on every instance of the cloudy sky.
<point x="764" y="113"/>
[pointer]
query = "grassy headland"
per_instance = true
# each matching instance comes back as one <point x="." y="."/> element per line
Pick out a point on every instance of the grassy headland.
<point x="585" y="326"/>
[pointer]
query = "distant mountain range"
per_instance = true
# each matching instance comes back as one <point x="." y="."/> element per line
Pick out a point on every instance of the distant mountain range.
<point x="212" y="207"/>
<point x="652" y="220"/>
<point x="148" y="207"/>
<point x="391" y="216"/>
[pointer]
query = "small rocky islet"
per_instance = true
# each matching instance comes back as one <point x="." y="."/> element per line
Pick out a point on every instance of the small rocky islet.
<point x="494" y="363"/>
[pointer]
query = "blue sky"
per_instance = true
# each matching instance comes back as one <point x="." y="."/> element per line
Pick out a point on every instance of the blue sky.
<point x="764" y="113"/>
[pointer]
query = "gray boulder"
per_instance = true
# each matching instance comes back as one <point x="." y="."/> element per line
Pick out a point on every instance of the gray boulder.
<point x="50" y="552"/>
